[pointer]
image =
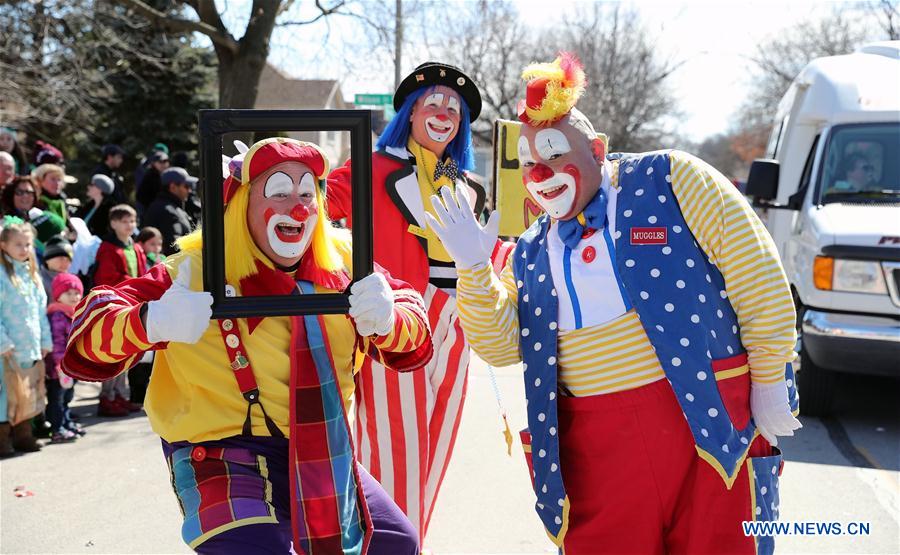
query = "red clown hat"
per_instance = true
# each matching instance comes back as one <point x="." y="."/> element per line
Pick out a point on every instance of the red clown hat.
<point x="552" y="90"/>
<point x="265" y="154"/>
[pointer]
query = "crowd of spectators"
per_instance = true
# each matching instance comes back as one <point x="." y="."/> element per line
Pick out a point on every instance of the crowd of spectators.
<point x="53" y="248"/>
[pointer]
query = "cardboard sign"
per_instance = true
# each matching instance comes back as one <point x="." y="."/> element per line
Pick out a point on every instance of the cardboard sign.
<point x="517" y="209"/>
<point x="511" y="198"/>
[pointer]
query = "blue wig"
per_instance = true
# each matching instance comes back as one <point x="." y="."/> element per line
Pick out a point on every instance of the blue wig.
<point x="396" y="134"/>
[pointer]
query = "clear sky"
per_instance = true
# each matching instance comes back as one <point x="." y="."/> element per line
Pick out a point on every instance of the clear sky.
<point x="714" y="39"/>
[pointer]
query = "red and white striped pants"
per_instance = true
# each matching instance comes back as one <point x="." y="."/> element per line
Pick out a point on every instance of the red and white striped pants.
<point x="406" y="423"/>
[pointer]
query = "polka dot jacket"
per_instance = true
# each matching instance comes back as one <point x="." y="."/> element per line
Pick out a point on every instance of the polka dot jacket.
<point x="685" y="312"/>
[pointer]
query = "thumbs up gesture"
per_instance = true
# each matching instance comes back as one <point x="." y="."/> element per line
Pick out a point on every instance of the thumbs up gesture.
<point x="180" y="314"/>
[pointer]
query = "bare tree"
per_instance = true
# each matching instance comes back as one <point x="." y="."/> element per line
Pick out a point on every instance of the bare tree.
<point x="241" y="61"/>
<point x="490" y="45"/>
<point x="887" y="14"/>
<point x="627" y="94"/>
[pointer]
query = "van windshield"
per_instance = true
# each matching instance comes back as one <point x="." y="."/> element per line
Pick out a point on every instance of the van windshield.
<point x="861" y="164"/>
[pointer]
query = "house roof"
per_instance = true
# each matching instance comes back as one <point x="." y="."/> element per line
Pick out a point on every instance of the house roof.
<point x="278" y="91"/>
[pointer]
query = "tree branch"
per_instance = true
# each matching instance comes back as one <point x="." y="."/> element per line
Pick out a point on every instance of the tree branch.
<point x="218" y="37"/>
<point x="323" y="12"/>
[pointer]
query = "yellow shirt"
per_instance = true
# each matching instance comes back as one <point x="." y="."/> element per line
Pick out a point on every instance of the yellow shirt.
<point x="193" y="394"/>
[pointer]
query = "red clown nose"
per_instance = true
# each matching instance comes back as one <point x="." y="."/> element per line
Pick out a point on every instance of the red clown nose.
<point x="540" y="172"/>
<point x="300" y="213"/>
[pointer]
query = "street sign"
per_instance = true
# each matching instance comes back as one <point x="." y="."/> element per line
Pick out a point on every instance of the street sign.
<point x="373" y="99"/>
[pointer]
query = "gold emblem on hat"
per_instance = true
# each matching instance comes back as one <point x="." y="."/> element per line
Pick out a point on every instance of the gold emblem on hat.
<point x="420" y="77"/>
<point x="461" y="81"/>
<point x="443" y="73"/>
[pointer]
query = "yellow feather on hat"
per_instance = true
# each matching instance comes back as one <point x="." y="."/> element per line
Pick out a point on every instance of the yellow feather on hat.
<point x="553" y="88"/>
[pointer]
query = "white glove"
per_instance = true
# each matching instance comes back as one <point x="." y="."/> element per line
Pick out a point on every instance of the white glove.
<point x="466" y="241"/>
<point x="772" y="412"/>
<point x="180" y="314"/>
<point x="372" y="305"/>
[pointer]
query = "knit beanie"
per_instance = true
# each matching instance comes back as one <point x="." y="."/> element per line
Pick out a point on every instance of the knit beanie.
<point x="64" y="282"/>
<point x="57" y="246"/>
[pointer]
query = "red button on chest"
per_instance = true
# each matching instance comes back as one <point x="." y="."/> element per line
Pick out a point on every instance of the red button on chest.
<point x="589" y="254"/>
<point x="198" y="453"/>
<point x="588" y="232"/>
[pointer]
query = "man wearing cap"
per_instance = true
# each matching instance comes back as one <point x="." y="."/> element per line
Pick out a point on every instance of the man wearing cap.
<point x="166" y="212"/>
<point x="111" y="159"/>
<point x="151" y="183"/>
<point x="656" y="327"/>
<point x="427" y="145"/>
<point x="252" y="411"/>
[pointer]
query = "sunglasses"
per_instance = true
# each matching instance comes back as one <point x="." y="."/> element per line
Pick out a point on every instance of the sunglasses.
<point x="24" y="192"/>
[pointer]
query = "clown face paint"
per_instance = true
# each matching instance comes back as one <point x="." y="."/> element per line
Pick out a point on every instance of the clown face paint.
<point x="560" y="168"/>
<point x="435" y="119"/>
<point x="282" y="212"/>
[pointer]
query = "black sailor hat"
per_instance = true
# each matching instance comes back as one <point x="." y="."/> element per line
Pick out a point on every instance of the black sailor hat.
<point x="432" y="74"/>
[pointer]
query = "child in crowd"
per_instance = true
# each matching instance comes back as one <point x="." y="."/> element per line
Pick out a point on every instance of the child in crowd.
<point x="118" y="259"/>
<point x="24" y="336"/>
<point x="66" y="292"/>
<point x="151" y="240"/>
<point x="57" y="259"/>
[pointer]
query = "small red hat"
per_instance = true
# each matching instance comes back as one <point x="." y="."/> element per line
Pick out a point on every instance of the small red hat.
<point x="64" y="282"/>
<point x="552" y="90"/>
<point x="267" y="153"/>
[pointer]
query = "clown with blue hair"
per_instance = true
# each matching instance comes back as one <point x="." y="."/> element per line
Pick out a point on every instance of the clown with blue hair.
<point x="426" y="146"/>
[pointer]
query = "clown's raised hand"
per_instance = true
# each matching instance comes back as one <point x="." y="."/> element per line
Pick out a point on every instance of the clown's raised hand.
<point x="469" y="243"/>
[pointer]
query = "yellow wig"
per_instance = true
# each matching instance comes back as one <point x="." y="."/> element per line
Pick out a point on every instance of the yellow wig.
<point x="562" y="82"/>
<point x="330" y="245"/>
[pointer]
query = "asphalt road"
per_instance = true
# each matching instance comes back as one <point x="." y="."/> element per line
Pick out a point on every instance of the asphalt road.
<point x="109" y="492"/>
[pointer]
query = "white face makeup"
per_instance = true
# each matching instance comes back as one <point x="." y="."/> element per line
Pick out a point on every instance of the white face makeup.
<point x="551" y="143"/>
<point x="554" y="195"/>
<point x="289" y="234"/>
<point x="555" y="191"/>
<point x="440" y="129"/>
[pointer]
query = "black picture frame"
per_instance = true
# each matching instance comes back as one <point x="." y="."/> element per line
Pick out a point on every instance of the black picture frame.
<point x="213" y="125"/>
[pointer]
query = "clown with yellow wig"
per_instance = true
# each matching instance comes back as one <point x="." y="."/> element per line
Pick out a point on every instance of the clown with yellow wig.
<point x="252" y="411"/>
<point x="656" y="327"/>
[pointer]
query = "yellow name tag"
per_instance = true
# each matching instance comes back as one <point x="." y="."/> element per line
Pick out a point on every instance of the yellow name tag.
<point x="419" y="231"/>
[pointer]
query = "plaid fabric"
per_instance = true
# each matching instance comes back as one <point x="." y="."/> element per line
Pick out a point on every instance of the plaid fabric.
<point x="219" y="488"/>
<point x="330" y="515"/>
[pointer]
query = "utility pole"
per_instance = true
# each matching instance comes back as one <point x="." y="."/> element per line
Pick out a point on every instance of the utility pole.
<point x="398" y="43"/>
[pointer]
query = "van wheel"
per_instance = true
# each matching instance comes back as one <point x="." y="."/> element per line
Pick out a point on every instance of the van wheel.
<point x="816" y="386"/>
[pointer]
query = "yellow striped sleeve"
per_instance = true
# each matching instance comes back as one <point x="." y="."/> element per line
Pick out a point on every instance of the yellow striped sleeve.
<point x="488" y="313"/>
<point x="737" y="242"/>
<point x="407" y="334"/>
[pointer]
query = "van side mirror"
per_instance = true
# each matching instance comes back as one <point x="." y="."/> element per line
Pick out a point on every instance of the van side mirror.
<point x="762" y="183"/>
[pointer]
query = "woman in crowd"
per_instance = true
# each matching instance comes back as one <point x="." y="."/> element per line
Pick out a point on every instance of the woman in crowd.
<point x="9" y="143"/>
<point x="95" y="212"/>
<point x="19" y="198"/>
<point x="50" y="182"/>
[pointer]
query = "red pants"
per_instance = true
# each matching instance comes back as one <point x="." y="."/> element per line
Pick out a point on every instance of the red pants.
<point x="636" y="483"/>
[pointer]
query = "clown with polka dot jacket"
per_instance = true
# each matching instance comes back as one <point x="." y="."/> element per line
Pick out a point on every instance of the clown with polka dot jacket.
<point x="656" y="330"/>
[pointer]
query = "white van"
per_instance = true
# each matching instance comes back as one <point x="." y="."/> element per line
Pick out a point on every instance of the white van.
<point x="829" y="193"/>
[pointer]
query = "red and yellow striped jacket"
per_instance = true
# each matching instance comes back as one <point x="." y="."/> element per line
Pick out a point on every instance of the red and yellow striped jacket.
<point x="193" y="395"/>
